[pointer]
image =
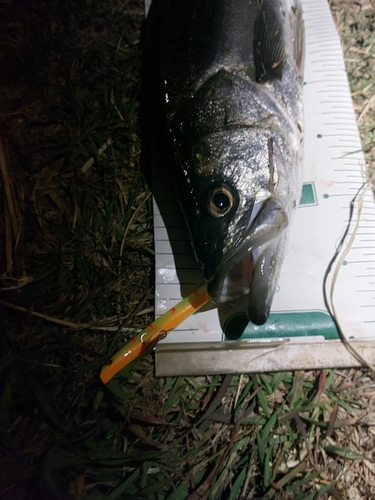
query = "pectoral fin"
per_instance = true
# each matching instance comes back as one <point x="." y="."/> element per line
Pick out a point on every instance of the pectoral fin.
<point x="269" y="48"/>
<point x="298" y="29"/>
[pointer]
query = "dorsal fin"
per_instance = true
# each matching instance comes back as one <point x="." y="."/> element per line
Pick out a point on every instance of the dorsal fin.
<point x="269" y="48"/>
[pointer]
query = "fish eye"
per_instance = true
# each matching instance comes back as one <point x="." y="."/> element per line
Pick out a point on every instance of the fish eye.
<point x="220" y="201"/>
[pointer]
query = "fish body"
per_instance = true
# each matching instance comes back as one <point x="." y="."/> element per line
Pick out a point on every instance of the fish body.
<point x="230" y="78"/>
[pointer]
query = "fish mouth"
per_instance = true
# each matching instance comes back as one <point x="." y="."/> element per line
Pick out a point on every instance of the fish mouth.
<point x="252" y="267"/>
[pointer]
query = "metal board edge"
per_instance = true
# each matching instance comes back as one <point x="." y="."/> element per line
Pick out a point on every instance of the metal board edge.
<point x="211" y="358"/>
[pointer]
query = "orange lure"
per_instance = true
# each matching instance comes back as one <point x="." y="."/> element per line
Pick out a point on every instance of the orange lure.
<point x="155" y="332"/>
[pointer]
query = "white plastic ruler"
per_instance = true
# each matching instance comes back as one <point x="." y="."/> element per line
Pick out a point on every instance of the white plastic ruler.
<point x="299" y="323"/>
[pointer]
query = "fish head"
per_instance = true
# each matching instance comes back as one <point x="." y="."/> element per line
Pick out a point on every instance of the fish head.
<point x="237" y="200"/>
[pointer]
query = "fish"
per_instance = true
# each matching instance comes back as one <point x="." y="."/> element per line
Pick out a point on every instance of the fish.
<point x="229" y="75"/>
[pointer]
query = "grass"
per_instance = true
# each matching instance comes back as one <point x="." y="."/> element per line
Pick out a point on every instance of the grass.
<point x="76" y="280"/>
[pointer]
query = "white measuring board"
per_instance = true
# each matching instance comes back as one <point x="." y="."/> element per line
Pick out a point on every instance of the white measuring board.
<point x="299" y="333"/>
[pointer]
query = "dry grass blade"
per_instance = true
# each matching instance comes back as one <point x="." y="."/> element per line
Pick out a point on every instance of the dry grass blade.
<point x="7" y="191"/>
<point x="10" y="219"/>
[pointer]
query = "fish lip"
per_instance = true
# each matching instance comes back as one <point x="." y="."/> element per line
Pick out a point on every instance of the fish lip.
<point x="267" y="227"/>
<point x="216" y="283"/>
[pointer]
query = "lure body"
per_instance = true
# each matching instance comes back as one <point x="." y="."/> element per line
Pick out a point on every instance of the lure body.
<point x="154" y="332"/>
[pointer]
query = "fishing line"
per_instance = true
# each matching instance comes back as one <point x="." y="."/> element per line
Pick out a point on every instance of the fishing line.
<point x="330" y="305"/>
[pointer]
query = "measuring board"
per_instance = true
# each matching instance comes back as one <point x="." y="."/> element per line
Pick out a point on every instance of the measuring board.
<point x="299" y="333"/>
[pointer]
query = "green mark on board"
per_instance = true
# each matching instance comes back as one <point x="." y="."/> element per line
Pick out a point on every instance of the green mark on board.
<point x="308" y="195"/>
<point x="325" y="196"/>
<point x="319" y="136"/>
<point x="282" y="324"/>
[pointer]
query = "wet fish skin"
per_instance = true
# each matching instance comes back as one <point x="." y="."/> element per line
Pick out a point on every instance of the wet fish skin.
<point x="230" y="74"/>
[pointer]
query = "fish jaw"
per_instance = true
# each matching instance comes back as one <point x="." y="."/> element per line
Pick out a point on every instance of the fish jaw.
<point x="253" y="267"/>
<point x="265" y="279"/>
